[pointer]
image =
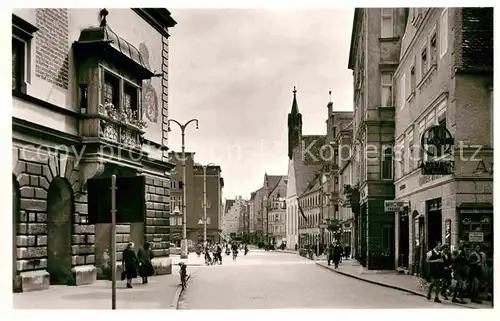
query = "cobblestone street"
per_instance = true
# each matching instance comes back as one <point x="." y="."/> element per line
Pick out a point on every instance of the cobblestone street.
<point x="271" y="280"/>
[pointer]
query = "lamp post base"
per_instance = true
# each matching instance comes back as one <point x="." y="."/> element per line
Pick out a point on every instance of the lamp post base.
<point x="184" y="249"/>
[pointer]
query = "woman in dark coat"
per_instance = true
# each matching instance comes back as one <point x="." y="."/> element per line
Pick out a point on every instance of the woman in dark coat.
<point x="130" y="263"/>
<point x="145" y="266"/>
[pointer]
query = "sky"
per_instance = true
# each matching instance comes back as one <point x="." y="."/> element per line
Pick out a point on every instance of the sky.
<point x="235" y="69"/>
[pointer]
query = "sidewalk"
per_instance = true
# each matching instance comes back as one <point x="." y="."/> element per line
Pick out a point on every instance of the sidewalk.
<point x="160" y="293"/>
<point x="391" y="279"/>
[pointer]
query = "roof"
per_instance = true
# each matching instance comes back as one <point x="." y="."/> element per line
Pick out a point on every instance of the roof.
<point x="355" y="28"/>
<point x="272" y="182"/>
<point x="477" y="39"/>
<point x="227" y="206"/>
<point x="103" y="38"/>
<point x="311" y="149"/>
<point x="252" y="195"/>
<point x="313" y="184"/>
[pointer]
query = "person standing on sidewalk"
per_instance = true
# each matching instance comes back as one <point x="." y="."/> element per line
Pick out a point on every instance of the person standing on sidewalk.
<point x="475" y="275"/>
<point x="144" y="256"/>
<point x="130" y="263"/>
<point x="459" y="272"/>
<point x="435" y="271"/>
<point x="447" y="265"/>
<point x="337" y="254"/>
<point x="329" y="253"/>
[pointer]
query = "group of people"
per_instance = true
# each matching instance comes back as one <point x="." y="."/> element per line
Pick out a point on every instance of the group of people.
<point x="134" y="264"/>
<point x="213" y="253"/>
<point x="468" y="269"/>
<point x="335" y="252"/>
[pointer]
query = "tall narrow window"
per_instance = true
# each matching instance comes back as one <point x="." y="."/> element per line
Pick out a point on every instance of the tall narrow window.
<point x="386" y="93"/>
<point x="413" y="78"/>
<point x="17" y="64"/>
<point x="433" y="48"/>
<point x="424" y="62"/>
<point x="387" y="163"/>
<point x="387" y="26"/>
<point x="111" y="89"/>
<point x="130" y="98"/>
<point x="411" y="156"/>
<point x="402" y="91"/>
<point x="443" y="33"/>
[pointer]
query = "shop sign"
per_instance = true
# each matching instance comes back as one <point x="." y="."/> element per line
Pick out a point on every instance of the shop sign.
<point x="394" y="206"/>
<point x="475" y="211"/>
<point x="438" y="168"/>
<point x="476" y="237"/>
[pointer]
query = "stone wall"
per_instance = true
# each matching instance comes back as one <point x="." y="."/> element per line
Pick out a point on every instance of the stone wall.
<point x="157" y="225"/>
<point x="34" y="171"/>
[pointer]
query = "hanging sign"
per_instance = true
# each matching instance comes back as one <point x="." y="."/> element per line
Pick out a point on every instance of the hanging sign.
<point x="437" y="141"/>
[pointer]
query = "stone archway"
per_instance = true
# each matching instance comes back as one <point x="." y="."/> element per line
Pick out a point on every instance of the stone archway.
<point x="60" y="208"/>
<point x="16" y="199"/>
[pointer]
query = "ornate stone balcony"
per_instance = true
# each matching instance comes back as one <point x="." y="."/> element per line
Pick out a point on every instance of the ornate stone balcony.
<point x="110" y="124"/>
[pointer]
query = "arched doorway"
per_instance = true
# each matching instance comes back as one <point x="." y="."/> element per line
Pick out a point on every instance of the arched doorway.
<point x="16" y="199"/>
<point x="60" y="205"/>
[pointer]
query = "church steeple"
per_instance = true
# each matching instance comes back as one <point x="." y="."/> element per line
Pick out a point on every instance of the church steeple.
<point x="294" y="125"/>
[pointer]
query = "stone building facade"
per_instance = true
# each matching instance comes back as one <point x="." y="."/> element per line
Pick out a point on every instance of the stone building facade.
<point x="445" y="78"/>
<point x="345" y="215"/>
<point x="194" y="185"/>
<point x="373" y="58"/>
<point x="76" y="116"/>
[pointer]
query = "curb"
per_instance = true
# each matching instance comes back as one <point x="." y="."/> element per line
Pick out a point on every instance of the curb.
<point x="388" y="285"/>
<point x="177" y="295"/>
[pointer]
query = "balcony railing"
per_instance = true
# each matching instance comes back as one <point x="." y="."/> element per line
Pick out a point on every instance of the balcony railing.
<point x="120" y="126"/>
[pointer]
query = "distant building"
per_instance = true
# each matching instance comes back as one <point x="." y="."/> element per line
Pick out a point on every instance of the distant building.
<point x="304" y="162"/>
<point x="194" y="186"/>
<point x="233" y="210"/>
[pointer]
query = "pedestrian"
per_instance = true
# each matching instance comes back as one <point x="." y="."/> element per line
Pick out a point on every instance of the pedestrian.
<point x="337" y="254"/>
<point x="219" y="253"/>
<point x="475" y="273"/>
<point x="129" y="263"/>
<point x="329" y="253"/>
<point x="146" y="268"/>
<point x="459" y="272"/>
<point x="347" y="251"/>
<point x="435" y="271"/>
<point x="447" y="269"/>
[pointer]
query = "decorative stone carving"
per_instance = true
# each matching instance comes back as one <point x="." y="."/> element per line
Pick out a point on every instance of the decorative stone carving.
<point x="108" y="131"/>
<point x="128" y="138"/>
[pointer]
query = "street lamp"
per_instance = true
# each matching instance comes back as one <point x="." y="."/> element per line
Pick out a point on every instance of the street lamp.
<point x="184" y="246"/>
<point x="205" y="202"/>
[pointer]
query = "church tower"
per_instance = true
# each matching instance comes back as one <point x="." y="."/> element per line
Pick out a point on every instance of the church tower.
<point x="294" y="125"/>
